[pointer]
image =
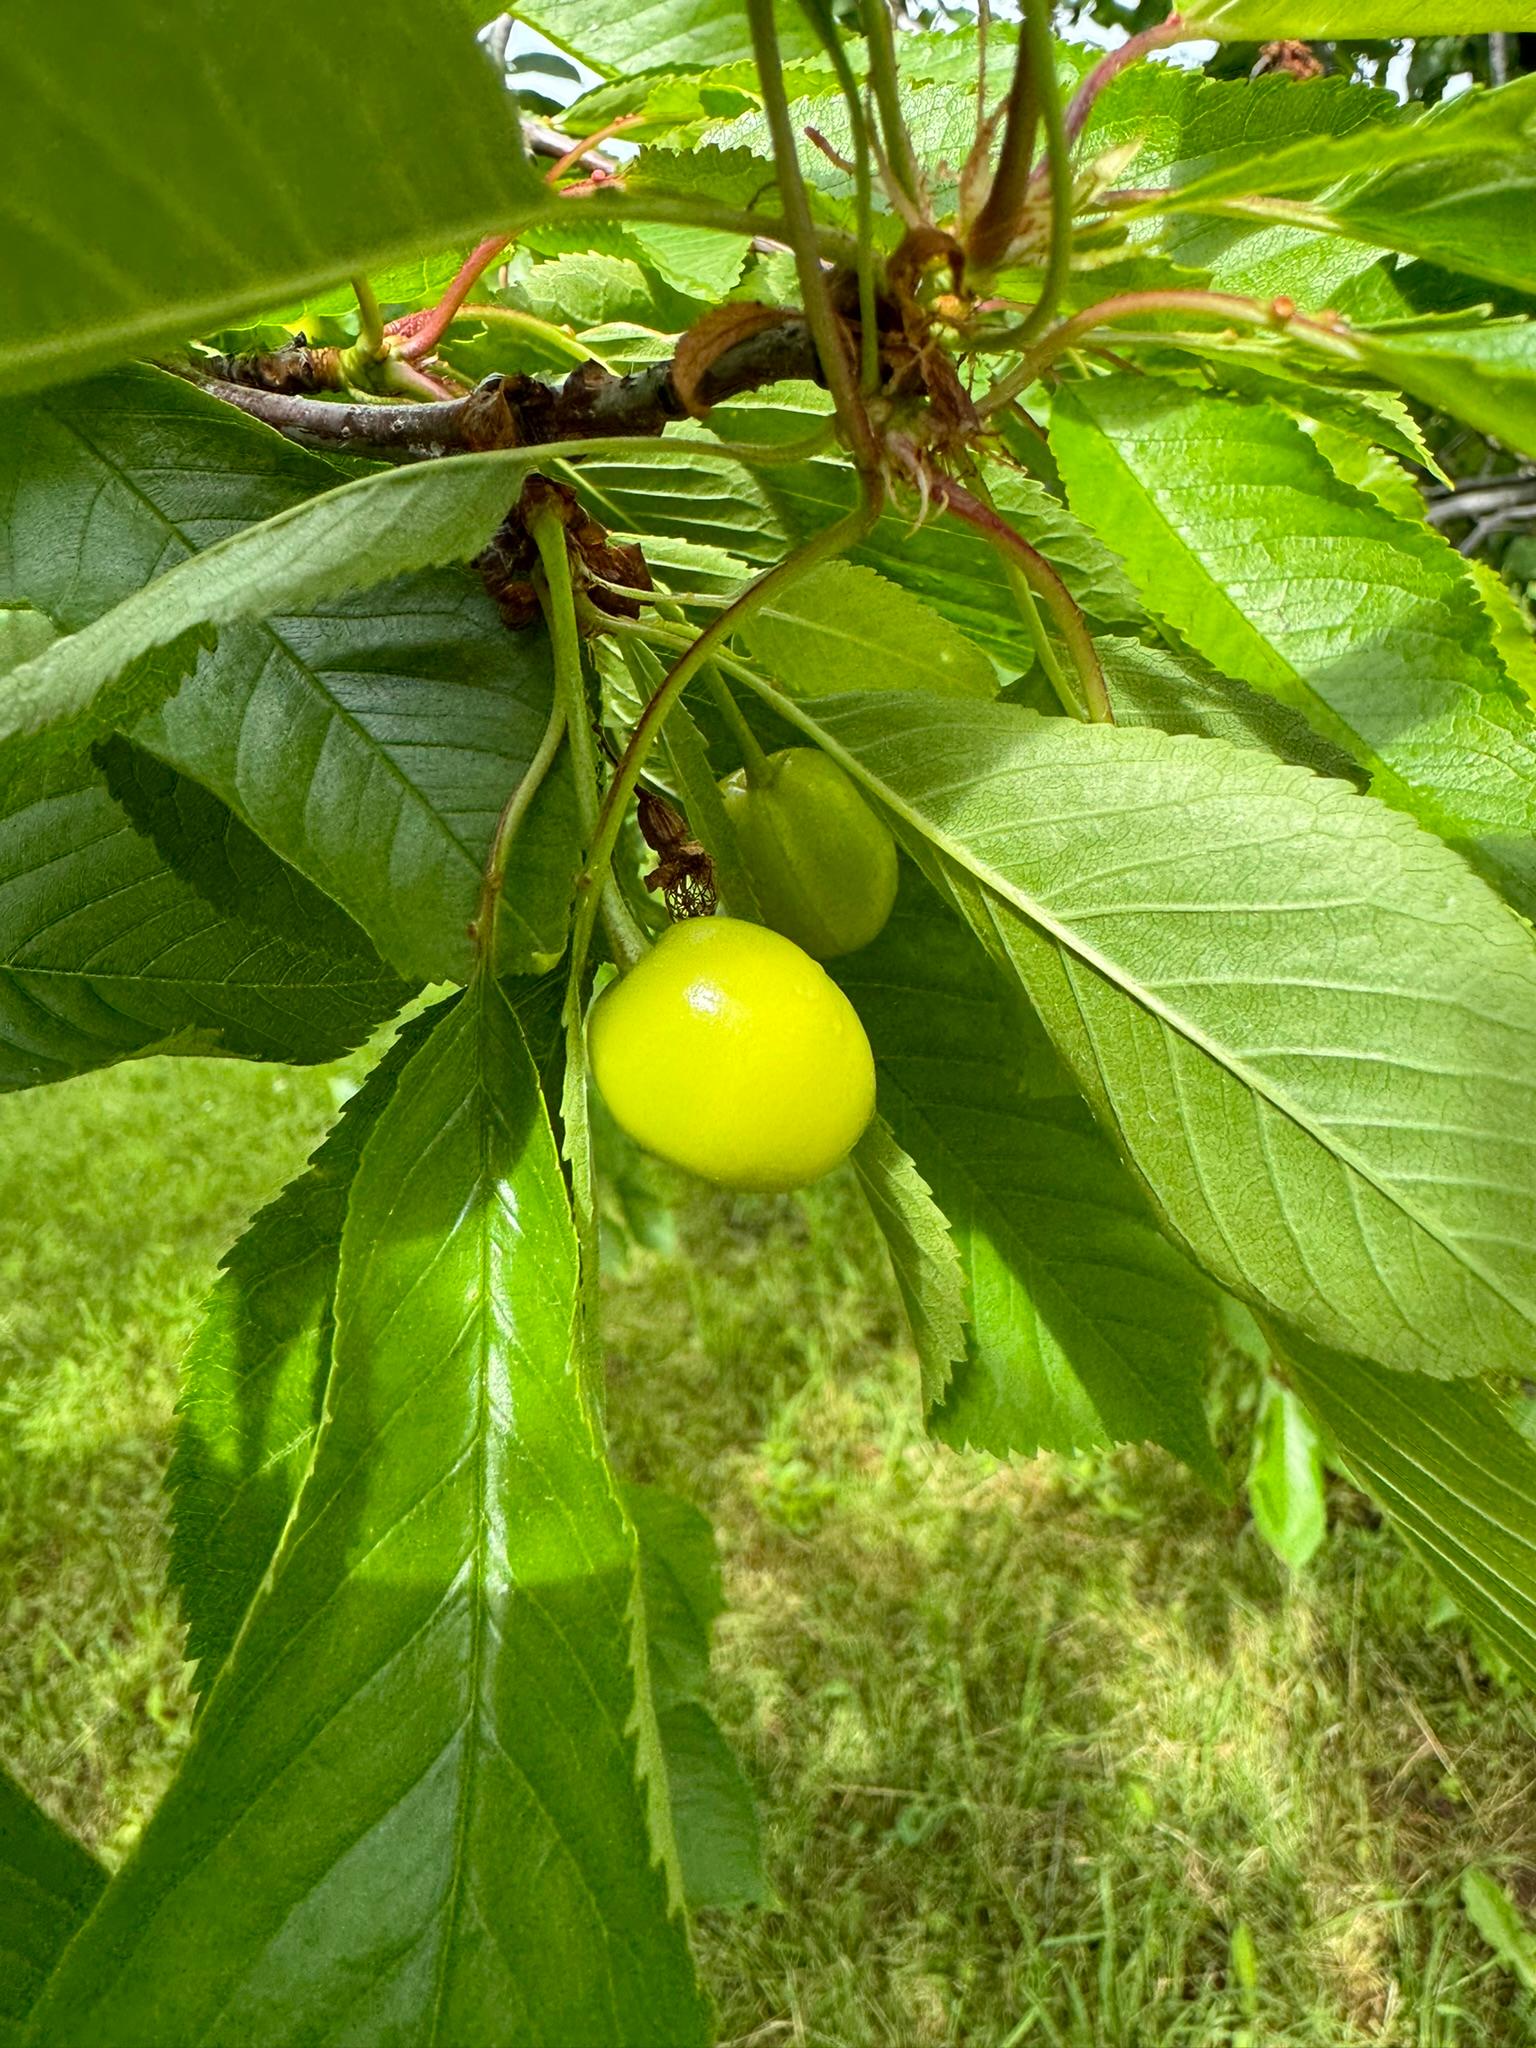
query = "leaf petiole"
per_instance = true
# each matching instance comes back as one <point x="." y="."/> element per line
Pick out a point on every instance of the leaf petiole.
<point x="832" y="540"/>
<point x="557" y="600"/>
<point x="754" y="760"/>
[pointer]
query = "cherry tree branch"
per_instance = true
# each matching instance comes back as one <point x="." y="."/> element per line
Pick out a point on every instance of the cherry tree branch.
<point x="518" y="411"/>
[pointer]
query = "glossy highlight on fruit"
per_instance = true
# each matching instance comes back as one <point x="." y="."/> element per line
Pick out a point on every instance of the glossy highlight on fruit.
<point x="822" y="864"/>
<point x="730" y="1052"/>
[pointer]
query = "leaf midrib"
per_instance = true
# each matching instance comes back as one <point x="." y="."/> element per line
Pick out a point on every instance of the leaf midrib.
<point x="1113" y="972"/>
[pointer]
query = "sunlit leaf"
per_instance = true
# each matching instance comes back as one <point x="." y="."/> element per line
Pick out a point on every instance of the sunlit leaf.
<point x="1310" y="1028"/>
<point x="1239" y="535"/>
<point x="415" y="1801"/>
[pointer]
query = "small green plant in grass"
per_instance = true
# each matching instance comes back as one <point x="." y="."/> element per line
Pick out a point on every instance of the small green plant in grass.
<point x="1052" y="429"/>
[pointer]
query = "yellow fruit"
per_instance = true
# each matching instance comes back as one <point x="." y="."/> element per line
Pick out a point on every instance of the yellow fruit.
<point x="730" y="1052"/>
<point x="822" y="864"/>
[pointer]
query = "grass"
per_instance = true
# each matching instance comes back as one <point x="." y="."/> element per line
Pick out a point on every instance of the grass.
<point x="1049" y="1753"/>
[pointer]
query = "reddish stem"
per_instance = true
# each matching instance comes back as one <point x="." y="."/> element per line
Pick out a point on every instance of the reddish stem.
<point x="1038" y="573"/>
<point x="422" y="332"/>
<point x="1080" y="106"/>
<point x="578" y="150"/>
<point x="1323" y="330"/>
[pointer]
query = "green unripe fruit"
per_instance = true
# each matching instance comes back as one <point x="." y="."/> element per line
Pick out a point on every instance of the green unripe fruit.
<point x="730" y="1052"/>
<point x="822" y="864"/>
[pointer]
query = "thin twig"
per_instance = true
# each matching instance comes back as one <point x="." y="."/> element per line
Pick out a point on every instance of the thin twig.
<point x="420" y="335"/>
<point x="1279" y="316"/>
<point x="863" y="195"/>
<point x="579" y="152"/>
<point x="900" y="158"/>
<point x="826" y="329"/>
<point x="513" y="812"/>
<point x="1129" y="52"/>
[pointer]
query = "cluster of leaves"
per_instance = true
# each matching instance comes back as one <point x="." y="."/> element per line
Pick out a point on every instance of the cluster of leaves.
<point x="1176" y="1021"/>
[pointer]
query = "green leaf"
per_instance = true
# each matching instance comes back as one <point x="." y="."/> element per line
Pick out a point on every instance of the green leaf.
<point x="1285" y="1478"/>
<point x="924" y="1259"/>
<point x="665" y="35"/>
<point x="1083" y="1320"/>
<point x="1358" y="462"/>
<point x="47" y="1886"/>
<point x="1485" y="375"/>
<point x="350" y="538"/>
<point x="1188" y="128"/>
<point x="1452" y="184"/>
<point x="1298" y="1015"/>
<point x="253" y="1380"/>
<point x="1237" y="530"/>
<point x="1512" y="634"/>
<point x="1243" y="21"/>
<point x="23" y="633"/>
<point x="151" y="235"/>
<point x="1473" y="214"/>
<point x="950" y="567"/>
<point x="844" y="627"/>
<point x="1152" y="685"/>
<point x="159" y="924"/>
<point x="698" y="261"/>
<point x="714" y="1816"/>
<point x="680" y="1579"/>
<point x="1501" y="1924"/>
<point x="417" y="1798"/>
<point x="1453" y="1473"/>
<point x="587" y="290"/>
<point x="371" y="741"/>
<point x="1256" y="368"/>
<point x="696" y="496"/>
<point x="1362" y="132"/>
<point x="1185" y="128"/>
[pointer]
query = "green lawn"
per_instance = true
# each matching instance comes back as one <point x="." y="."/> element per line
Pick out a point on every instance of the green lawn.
<point x="1051" y="1753"/>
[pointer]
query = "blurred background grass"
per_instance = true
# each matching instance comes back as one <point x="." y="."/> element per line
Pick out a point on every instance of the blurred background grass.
<point x="1052" y="1753"/>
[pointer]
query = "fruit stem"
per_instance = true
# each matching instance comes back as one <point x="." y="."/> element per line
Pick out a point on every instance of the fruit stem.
<point x="1035" y="35"/>
<point x="370" y="329"/>
<point x="558" y="602"/>
<point x="825" y="26"/>
<point x="827" y="331"/>
<point x="1012" y="548"/>
<point x="754" y="760"/>
<point x="513" y="812"/>
<point x="884" y="78"/>
<point x="1040" y="640"/>
<point x="832" y="540"/>
<point x="1034" y="625"/>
